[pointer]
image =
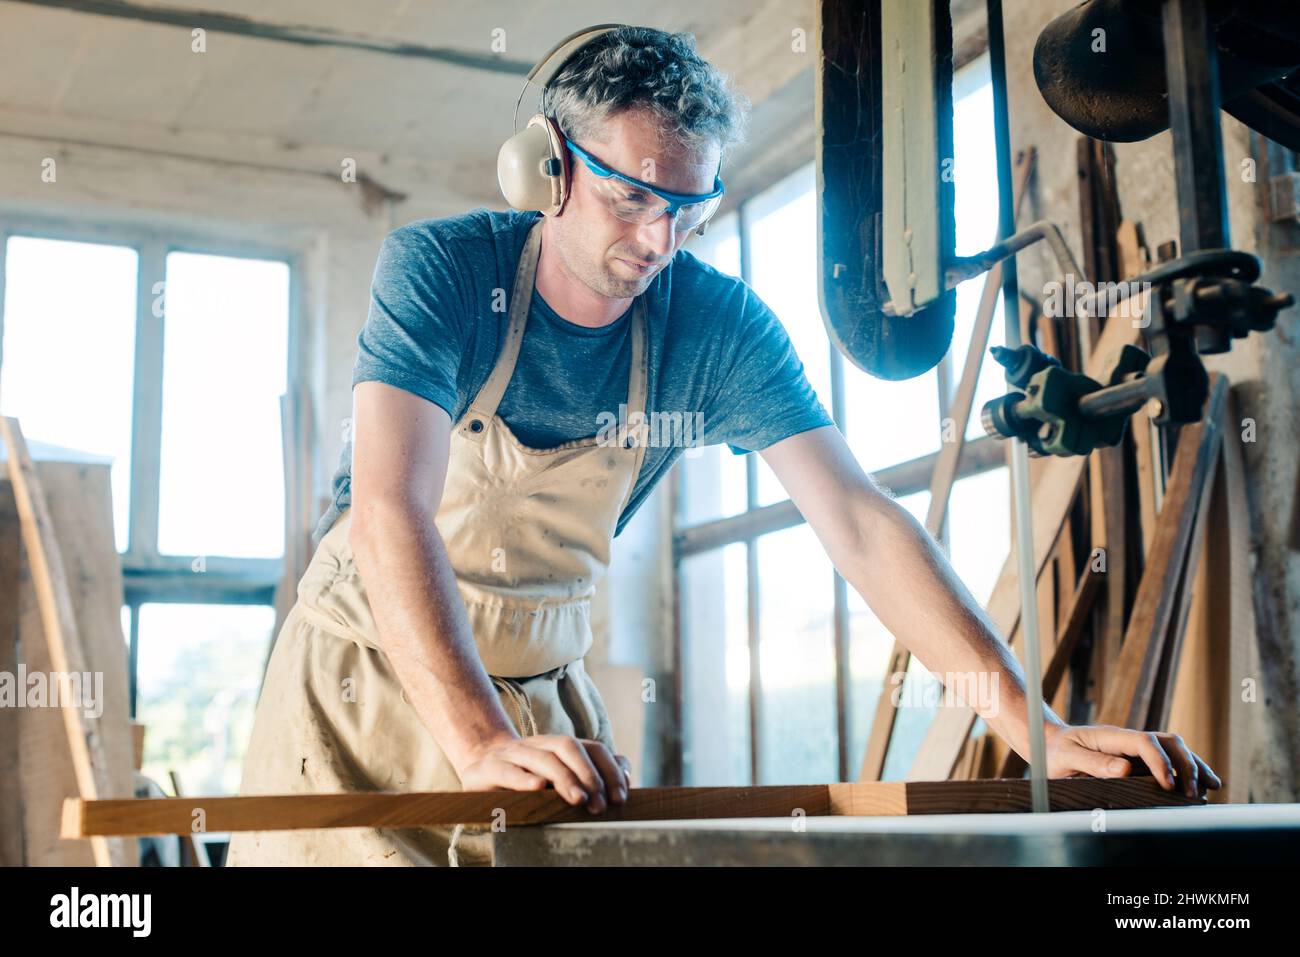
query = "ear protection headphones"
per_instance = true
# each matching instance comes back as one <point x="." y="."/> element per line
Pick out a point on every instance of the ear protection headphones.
<point x="533" y="165"/>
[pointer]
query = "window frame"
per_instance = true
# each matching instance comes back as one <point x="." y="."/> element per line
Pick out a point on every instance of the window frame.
<point x="149" y="576"/>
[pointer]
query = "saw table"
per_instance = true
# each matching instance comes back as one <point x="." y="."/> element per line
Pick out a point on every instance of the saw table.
<point x="1219" y="835"/>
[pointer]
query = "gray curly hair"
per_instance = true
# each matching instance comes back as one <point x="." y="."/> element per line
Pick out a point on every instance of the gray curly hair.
<point x="633" y="67"/>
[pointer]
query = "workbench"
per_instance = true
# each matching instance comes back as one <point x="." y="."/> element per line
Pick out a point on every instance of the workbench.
<point x="1216" y="835"/>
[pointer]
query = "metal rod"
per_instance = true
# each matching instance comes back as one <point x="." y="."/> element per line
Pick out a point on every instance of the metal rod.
<point x="1192" y="72"/>
<point x="970" y="266"/>
<point x="1125" y="397"/>
<point x="1020" y="452"/>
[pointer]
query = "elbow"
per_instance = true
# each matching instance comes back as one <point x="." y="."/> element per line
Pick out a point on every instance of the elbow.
<point x="375" y="523"/>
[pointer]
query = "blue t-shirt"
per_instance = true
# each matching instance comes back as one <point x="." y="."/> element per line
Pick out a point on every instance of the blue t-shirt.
<point x="721" y="366"/>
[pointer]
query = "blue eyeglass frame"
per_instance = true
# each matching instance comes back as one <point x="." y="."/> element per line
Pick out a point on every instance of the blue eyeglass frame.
<point x="675" y="201"/>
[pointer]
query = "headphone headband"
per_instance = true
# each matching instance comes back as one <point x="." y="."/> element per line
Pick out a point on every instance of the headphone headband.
<point x="563" y="51"/>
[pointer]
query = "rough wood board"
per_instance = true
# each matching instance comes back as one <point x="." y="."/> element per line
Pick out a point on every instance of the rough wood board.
<point x="1243" y="647"/>
<point x="434" y="808"/>
<point x="11" y="815"/>
<point x="70" y="616"/>
<point x="1167" y="672"/>
<point x="1054" y="496"/>
<point x="1127" y="699"/>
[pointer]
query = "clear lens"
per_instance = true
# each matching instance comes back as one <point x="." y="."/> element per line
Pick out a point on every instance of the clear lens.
<point x="633" y="205"/>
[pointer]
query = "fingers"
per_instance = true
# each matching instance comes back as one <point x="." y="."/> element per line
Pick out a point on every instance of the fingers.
<point x="1184" y="760"/>
<point x="614" y="773"/>
<point x="1141" y="744"/>
<point x="1208" y="777"/>
<point x="545" y="762"/>
<point x="505" y="774"/>
<point x="1074" y="759"/>
<point x="574" y="756"/>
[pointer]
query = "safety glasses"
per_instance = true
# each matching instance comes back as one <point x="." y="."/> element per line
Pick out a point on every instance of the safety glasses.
<point x="633" y="201"/>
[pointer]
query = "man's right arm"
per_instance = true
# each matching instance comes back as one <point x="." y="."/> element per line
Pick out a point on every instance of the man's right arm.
<point x="401" y="444"/>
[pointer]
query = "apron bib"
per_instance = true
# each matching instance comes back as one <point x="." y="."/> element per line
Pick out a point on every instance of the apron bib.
<point x="528" y="533"/>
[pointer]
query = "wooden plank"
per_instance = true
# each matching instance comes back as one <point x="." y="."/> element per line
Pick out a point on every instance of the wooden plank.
<point x="1242" y="642"/>
<point x="67" y="654"/>
<point x="83" y="818"/>
<point x="1203" y="680"/>
<point x="1144" y="448"/>
<point x="1127" y="698"/>
<point x="79" y="499"/>
<point x="1054" y="496"/>
<point x="942" y="480"/>
<point x="11" y="816"/>
<point x="1075" y="622"/>
<point x="1208" y="709"/>
<point x="1163" y="688"/>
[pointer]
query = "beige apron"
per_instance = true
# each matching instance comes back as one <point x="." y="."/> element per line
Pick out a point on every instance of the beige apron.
<point x="528" y="532"/>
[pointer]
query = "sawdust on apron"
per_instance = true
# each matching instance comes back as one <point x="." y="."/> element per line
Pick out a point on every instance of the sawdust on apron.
<point x="528" y="532"/>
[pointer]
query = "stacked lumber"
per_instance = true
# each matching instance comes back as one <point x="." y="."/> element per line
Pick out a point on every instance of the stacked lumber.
<point x="60" y="612"/>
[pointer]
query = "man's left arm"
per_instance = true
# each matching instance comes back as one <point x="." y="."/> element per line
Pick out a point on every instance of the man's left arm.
<point x="898" y="568"/>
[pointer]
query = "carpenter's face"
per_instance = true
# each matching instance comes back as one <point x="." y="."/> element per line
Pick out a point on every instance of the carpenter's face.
<point x="618" y="259"/>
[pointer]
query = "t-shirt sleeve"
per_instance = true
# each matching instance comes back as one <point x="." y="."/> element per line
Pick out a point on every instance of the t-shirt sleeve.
<point x="764" y="395"/>
<point x="414" y="334"/>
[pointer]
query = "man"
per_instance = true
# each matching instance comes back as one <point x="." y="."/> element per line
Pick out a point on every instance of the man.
<point x="477" y="509"/>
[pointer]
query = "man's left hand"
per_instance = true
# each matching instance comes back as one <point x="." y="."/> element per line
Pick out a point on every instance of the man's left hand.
<point x="1103" y="751"/>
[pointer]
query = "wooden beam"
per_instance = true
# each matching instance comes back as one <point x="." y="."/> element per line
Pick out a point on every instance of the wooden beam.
<point x="981" y="455"/>
<point x="1128" y="695"/>
<point x="83" y="818"/>
<point x="67" y="654"/>
<point x="1055" y="493"/>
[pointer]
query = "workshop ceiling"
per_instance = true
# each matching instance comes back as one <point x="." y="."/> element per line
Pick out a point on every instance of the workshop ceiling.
<point x="78" y="76"/>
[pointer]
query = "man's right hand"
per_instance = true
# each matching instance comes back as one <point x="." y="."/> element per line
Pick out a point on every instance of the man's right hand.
<point x="582" y="770"/>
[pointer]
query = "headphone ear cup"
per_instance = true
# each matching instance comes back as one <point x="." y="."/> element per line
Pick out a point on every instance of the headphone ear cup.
<point x="530" y="170"/>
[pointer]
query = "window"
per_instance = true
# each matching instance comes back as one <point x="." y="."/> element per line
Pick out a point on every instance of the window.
<point x="69" y="351"/>
<point x="225" y="361"/>
<point x="767" y="698"/>
<point x="170" y="362"/>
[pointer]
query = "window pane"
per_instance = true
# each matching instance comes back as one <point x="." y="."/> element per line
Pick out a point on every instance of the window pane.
<point x="715" y="651"/>
<point x="979" y="525"/>
<point x="869" y="646"/>
<point x="713" y="479"/>
<point x="796" y="659"/>
<point x="69" y="351"/>
<point x="720" y="245"/>
<point x="224" y="369"/>
<point x="783" y="250"/>
<point x="199" y="671"/>
<point x="713" y="484"/>
<point x="976" y="184"/>
<point x="890" y="422"/>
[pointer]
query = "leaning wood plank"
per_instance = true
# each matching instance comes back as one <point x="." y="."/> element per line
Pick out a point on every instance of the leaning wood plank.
<point x="1127" y="700"/>
<point x="942" y="479"/>
<point x="12" y="850"/>
<point x="1076" y="620"/>
<point x="1162" y="697"/>
<point x="1242" y="640"/>
<point x="66" y="652"/>
<point x="1054" y="494"/>
<point x="439" y="808"/>
<point x="79" y="497"/>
